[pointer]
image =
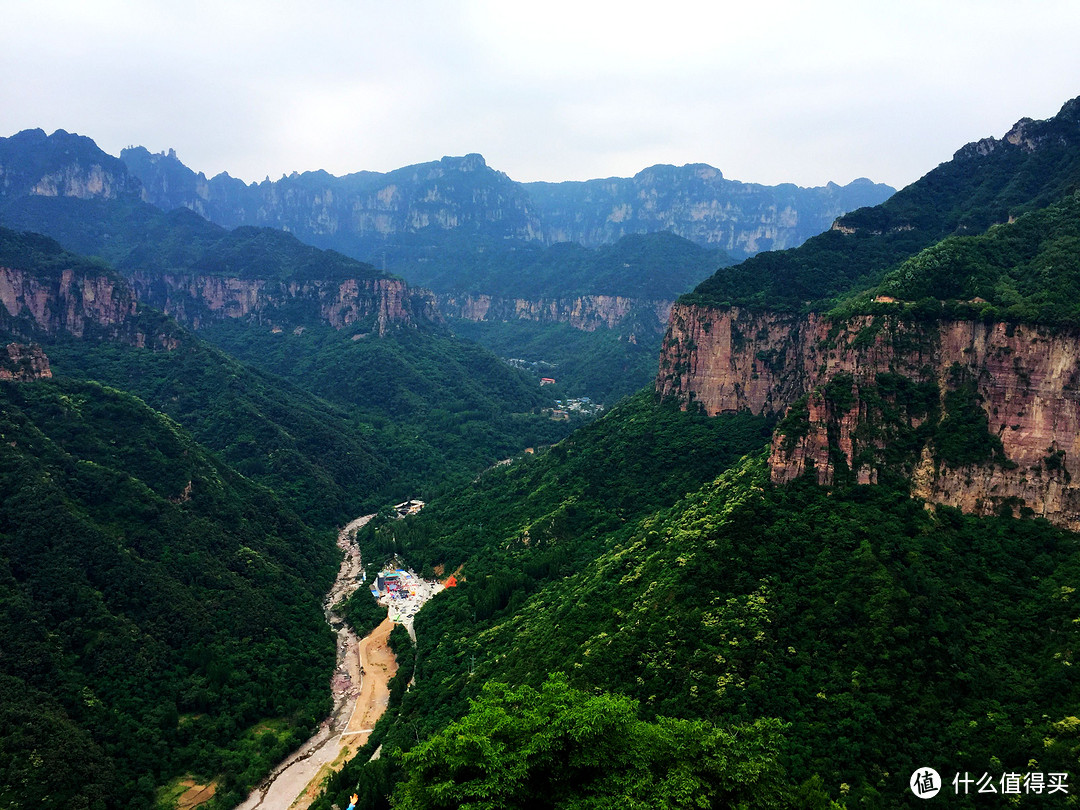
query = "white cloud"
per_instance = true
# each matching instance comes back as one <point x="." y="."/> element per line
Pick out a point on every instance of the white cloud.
<point x="767" y="92"/>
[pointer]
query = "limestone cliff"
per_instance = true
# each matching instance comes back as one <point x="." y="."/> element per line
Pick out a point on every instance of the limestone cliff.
<point x="370" y="215"/>
<point x="982" y="416"/>
<point x="586" y="312"/>
<point x="375" y="304"/>
<point x="22" y="363"/>
<point x="61" y="165"/>
<point x="698" y="203"/>
<point x="78" y="302"/>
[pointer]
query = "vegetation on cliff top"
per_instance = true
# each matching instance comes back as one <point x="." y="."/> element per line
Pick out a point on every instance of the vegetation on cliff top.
<point x="1027" y="270"/>
<point x="985" y="184"/>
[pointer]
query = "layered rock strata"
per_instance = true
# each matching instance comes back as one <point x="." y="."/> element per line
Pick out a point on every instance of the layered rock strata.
<point x="81" y="303"/>
<point x="199" y="300"/>
<point x="1026" y="380"/>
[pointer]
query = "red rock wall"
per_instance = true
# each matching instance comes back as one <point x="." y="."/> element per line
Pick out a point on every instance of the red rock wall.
<point x="76" y="303"/>
<point x="1027" y="376"/>
<point x="194" y="300"/>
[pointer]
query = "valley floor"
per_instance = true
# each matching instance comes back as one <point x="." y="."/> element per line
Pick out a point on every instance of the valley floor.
<point x="361" y="693"/>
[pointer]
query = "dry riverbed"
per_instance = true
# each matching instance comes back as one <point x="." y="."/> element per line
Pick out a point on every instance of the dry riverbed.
<point x="361" y="693"/>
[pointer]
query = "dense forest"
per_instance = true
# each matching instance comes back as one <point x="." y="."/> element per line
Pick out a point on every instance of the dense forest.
<point x="1025" y="271"/>
<point x="605" y="365"/>
<point x="160" y="611"/>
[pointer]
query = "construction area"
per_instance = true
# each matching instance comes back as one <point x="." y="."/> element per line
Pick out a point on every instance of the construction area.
<point x="402" y="592"/>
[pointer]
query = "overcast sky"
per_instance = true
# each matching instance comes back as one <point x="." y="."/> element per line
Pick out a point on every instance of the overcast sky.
<point x="767" y="92"/>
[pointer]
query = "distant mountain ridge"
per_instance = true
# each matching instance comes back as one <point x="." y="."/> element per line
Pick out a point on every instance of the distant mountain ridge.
<point x="455" y="197"/>
<point x="492" y="249"/>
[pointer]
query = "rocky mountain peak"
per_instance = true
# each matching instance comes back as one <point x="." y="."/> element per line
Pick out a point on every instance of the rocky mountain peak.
<point x="1029" y="134"/>
<point x="63" y="164"/>
<point x="472" y="162"/>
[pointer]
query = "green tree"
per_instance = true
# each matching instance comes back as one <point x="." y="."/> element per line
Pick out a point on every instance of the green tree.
<point x="560" y="747"/>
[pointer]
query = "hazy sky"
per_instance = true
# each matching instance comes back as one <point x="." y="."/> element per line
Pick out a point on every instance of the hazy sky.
<point x="767" y="92"/>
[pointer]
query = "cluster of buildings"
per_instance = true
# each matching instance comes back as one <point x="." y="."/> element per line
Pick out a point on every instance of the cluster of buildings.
<point x="582" y="405"/>
<point x="403" y="592"/>
<point x="406" y="508"/>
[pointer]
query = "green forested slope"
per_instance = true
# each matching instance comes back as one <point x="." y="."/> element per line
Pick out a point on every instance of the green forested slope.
<point x="156" y="606"/>
<point x="1027" y="270"/>
<point x="984" y="184"/>
<point x="883" y="636"/>
<point x="604" y="365"/>
<point x="319" y="458"/>
<point x="440" y="408"/>
<point x="132" y="235"/>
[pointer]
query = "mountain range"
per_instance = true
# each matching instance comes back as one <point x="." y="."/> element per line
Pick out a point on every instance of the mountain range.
<point x="889" y="574"/>
<point x="442" y="203"/>
<point x="470" y="234"/>
<point x="832" y="544"/>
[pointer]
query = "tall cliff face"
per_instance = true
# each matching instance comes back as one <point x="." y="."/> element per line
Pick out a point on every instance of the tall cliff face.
<point x="81" y="303"/>
<point x="585" y="312"/>
<point x="982" y="416"/>
<point x="378" y="304"/>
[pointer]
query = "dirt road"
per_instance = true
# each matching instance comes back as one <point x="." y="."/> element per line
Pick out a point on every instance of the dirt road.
<point x="359" y="700"/>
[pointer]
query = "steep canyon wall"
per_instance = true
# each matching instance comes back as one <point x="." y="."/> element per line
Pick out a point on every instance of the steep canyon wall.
<point x="198" y="300"/>
<point x="855" y="391"/>
<point x="79" y="302"/>
<point x="586" y="312"/>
